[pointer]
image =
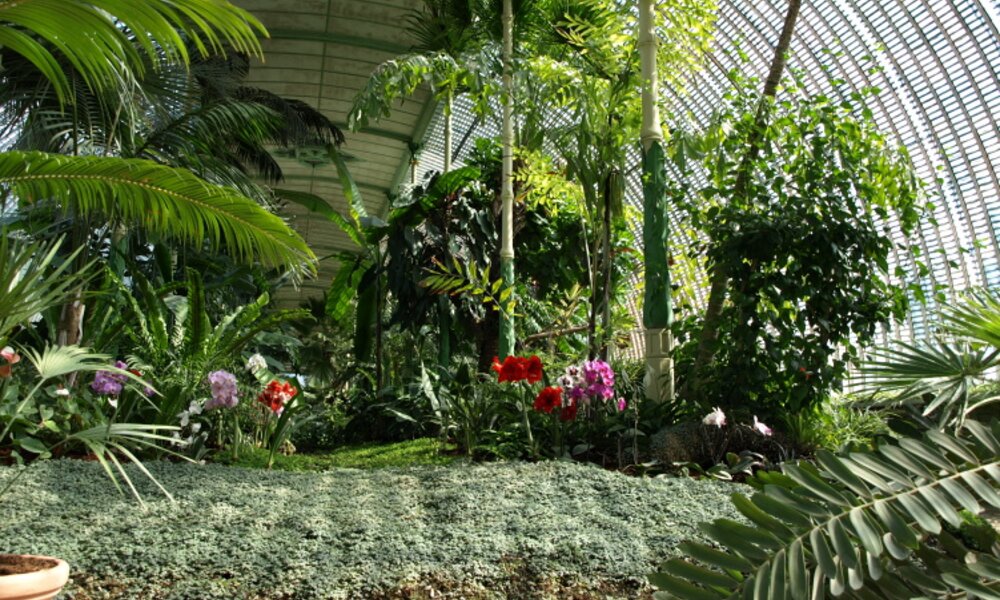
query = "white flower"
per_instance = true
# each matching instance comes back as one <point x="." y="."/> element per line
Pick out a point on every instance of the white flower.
<point x="256" y="363"/>
<point x="194" y="408"/>
<point x="716" y="417"/>
<point x="113" y="401"/>
<point x="760" y="427"/>
<point x="195" y="427"/>
<point x="185" y="418"/>
<point x="61" y="391"/>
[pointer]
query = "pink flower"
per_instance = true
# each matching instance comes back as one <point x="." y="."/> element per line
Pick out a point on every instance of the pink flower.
<point x="621" y="404"/>
<point x="716" y="417"/>
<point x="11" y="358"/>
<point x="760" y="427"/>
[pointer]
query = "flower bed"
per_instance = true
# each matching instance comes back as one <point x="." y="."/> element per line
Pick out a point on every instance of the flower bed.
<point x="474" y="531"/>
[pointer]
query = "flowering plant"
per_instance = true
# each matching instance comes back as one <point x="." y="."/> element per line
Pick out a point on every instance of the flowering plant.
<point x="10" y="358"/>
<point x="224" y="391"/>
<point x="589" y="383"/>
<point x="276" y="395"/>
<point x="516" y="368"/>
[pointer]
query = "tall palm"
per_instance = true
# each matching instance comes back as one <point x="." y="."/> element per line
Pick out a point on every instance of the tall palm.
<point x="103" y="47"/>
<point x="445" y="36"/>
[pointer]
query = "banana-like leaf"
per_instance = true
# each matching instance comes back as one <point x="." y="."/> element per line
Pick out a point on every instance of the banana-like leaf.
<point x="853" y="526"/>
<point x="99" y="38"/>
<point x="168" y="201"/>
<point x="350" y="187"/>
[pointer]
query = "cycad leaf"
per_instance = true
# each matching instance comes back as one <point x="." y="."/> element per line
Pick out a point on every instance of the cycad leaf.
<point x="168" y="201"/>
<point x="92" y="34"/>
<point x="863" y="547"/>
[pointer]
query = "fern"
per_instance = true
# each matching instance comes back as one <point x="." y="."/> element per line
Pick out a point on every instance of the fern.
<point x="853" y="526"/>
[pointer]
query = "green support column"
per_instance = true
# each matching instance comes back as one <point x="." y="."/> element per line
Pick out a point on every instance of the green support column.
<point x="657" y="309"/>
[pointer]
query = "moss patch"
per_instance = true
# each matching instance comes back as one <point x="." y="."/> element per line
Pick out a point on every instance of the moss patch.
<point x="547" y="530"/>
<point x="424" y="451"/>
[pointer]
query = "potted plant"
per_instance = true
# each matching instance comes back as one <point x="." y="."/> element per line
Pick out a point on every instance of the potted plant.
<point x="28" y="577"/>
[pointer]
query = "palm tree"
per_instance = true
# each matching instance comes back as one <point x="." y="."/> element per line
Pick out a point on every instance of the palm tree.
<point x="445" y="34"/>
<point x="103" y="47"/>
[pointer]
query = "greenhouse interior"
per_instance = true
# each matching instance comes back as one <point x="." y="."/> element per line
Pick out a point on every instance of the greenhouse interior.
<point x="486" y="299"/>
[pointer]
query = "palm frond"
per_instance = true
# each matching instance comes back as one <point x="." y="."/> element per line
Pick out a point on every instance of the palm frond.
<point x="168" y="201"/>
<point x="398" y="79"/>
<point x="105" y="441"/>
<point x="853" y="526"/>
<point x="93" y="35"/>
<point x="301" y="122"/>
<point x="978" y="318"/>
<point x="31" y="281"/>
<point x="469" y="280"/>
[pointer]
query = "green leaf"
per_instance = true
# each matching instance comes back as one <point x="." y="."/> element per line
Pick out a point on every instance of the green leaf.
<point x="167" y="201"/>
<point x="714" y="558"/>
<point x="870" y="536"/>
<point x="91" y="35"/>
<point x="798" y="571"/>
<point x="33" y="445"/>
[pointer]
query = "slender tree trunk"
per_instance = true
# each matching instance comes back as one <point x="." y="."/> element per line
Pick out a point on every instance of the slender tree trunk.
<point x="657" y="308"/>
<point x="507" y="184"/>
<point x="70" y="330"/>
<point x="610" y="201"/>
<point x="719" y="276"/>
<point x="448" y="105"/>
<point x="443" y="303"/>
<point x="379" y="308"/>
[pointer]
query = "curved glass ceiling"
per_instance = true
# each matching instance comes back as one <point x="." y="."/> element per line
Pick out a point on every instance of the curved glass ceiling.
<point x="938" y="71"/>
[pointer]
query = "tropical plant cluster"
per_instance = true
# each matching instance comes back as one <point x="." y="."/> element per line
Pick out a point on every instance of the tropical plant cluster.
<point x="484" y="317"/>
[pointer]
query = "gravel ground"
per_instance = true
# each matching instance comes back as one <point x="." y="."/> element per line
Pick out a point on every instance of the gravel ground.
<point x="502" y="530"/>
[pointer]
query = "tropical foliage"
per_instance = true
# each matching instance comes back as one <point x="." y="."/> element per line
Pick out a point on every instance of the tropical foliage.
<point x="855" y="525"/>
<point x="806" y="249"/>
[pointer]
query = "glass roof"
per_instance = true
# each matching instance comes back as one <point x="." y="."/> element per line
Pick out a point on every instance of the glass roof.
<point x="938" y="71"/>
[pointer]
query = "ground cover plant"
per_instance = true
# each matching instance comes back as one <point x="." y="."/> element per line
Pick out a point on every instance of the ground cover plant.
<point x="486" y="529"/>
<point x="419" y="452"/>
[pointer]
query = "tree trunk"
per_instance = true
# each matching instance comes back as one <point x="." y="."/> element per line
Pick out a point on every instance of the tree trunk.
<point x="507" y="184"/>
<point x="70" y="330"/>
<point x="719" y="276"/>
<point x="447" y="132"/>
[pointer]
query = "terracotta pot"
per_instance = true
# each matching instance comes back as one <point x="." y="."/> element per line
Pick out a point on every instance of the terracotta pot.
<point x="41" y="584"/>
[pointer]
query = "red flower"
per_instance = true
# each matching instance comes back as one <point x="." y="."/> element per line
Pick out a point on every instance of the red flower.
<point x="568" y="413"/>
<point x="276" y="395"/>
<point x="516" y="369"/>
<point x="549" y="399"/>
<point x="533" y="369"/>
<point x="512" y="370"/>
